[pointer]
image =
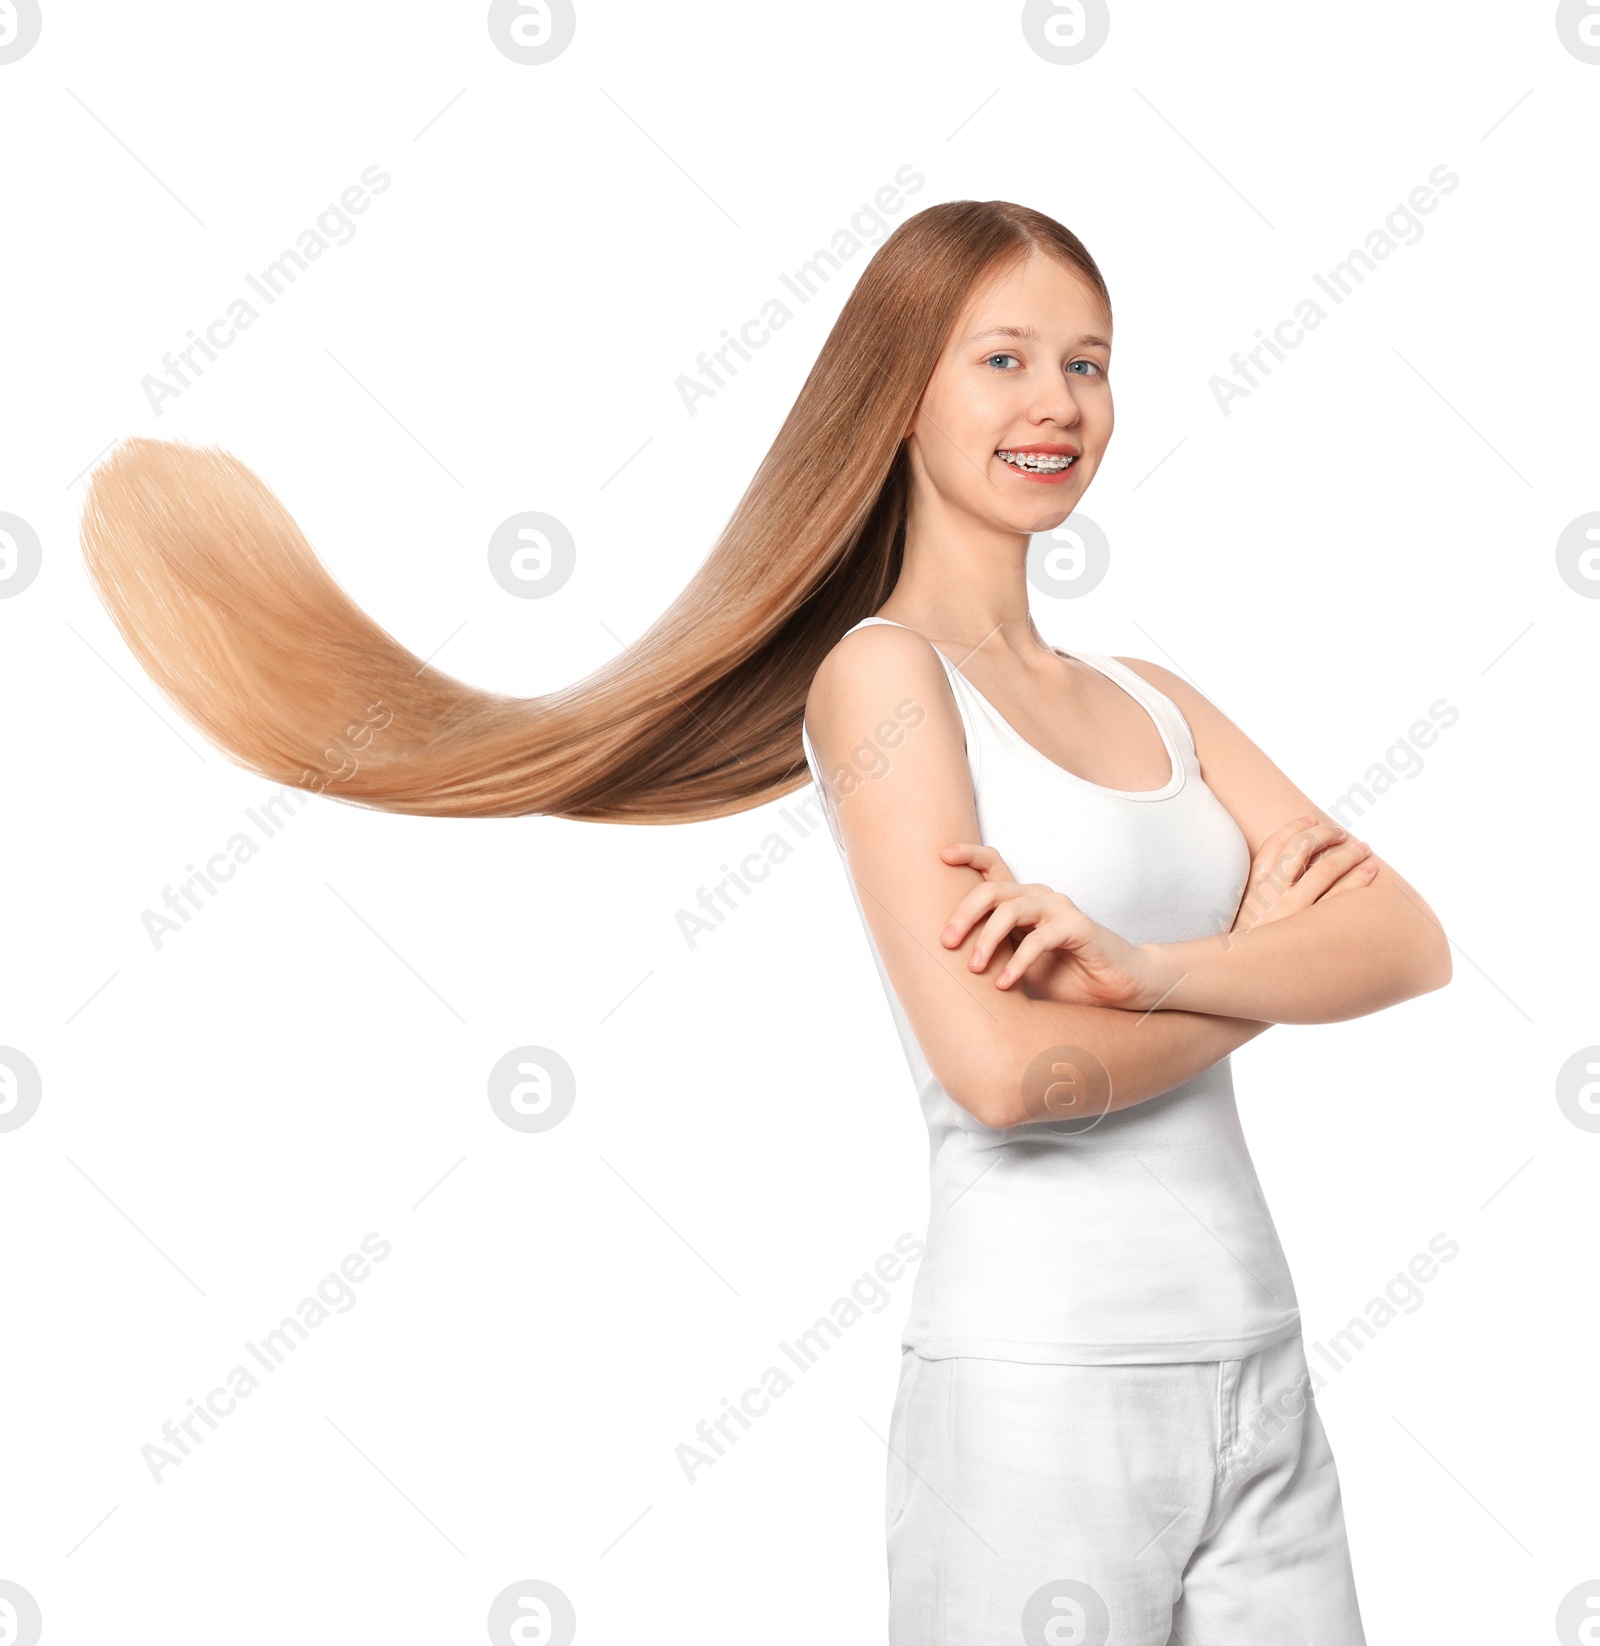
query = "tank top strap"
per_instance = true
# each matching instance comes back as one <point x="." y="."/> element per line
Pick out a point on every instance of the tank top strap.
<point x="1166" y="712"/>
<point x="952" y="673"/>
<point x="975" y="712"/>
<point x="978" y="714"/>
<point x="969" y="706"/>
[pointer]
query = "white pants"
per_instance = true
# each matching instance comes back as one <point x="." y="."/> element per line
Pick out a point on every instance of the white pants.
<point x="1181" y="1504"/>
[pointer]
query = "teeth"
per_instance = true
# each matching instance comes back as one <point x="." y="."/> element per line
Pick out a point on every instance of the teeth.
<point x="1037" y="461"/>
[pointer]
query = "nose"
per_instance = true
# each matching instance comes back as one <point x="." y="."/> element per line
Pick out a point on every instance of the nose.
<point x="1056" y="403"/>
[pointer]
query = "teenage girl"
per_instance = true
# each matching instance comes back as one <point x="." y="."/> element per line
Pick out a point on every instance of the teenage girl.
<point x="1083" y="887"/>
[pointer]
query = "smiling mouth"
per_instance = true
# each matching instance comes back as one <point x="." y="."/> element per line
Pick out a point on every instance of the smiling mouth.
<point x="1038" y="462"/>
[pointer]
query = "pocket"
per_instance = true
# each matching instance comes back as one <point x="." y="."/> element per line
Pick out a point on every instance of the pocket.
<point x="898" y="1476"/>
<point x="1294" y="1374"/>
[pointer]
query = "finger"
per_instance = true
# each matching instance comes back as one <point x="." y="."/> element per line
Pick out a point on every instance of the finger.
<point x="1319" y="837"/>
<point x="1329" y="864"/>
<point x="1277" y="864"/>
<point x="967" y="851"/>
<point x="1301" y="847"/>
<point x="974" y="904"/>
<point x="1325" y="871"/>
<point x="1284" y="836"/>
<point x="1014" y="911"/>
<point x="1036" y="943"/>
<point x="977" y="902"/>
<point x="1285" y="832"/>
<point x="985" y="859"/>
<point x="1299" y="825"/>
<point x="1361" y="874"/>
<point x="1335" y="837"/>
<point x="1067" y="929"/>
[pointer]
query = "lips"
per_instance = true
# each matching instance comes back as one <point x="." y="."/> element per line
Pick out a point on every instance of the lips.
<point x="1043" y="461"/>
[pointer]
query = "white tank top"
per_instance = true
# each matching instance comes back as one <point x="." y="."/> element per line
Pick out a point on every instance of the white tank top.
<point x="1141" y="1235"/>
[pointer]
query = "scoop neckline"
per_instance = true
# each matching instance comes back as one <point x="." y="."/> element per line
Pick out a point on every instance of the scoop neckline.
<point x="1174" y="782"/>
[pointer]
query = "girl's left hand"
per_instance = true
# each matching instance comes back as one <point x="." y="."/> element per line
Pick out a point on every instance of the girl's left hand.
<point x="1092" y="965"/>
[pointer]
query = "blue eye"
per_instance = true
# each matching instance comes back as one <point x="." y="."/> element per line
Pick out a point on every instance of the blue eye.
<point x="993" y="357"/>
<point x="1094" y="363"/>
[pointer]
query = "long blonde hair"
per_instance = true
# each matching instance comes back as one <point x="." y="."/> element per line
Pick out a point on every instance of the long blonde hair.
<point x="227" y="607"/>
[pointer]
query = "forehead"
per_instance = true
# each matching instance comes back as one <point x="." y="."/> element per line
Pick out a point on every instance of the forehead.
<point x="1039" y="294"/>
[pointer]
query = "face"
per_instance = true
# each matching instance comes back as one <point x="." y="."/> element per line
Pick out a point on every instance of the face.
<point x="1023" y="373"/>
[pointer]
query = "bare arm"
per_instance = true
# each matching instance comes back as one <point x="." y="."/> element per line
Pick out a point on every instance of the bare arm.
<point x="1004" y="1057"/>
<point x="1341" y="958"/>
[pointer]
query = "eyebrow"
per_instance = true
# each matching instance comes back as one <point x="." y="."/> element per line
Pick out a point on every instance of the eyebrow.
<point x="1030" y="335"/>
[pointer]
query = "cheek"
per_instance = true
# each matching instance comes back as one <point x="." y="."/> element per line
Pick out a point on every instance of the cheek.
<point x="957" y="472"/>
<point x="1102" y="414"/>
<point x="988" y="406"/>
<point x="957" y="433"/>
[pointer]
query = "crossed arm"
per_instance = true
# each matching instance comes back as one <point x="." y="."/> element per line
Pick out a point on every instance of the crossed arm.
<point x="1341" y="957"/>
<point x="1007" y="1055"/>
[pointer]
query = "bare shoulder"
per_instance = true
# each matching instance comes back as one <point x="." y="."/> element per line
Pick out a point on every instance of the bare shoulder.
<point x="1164" y="680"/>
<point x="1199" y="712"/>
<point x="881" y="708"/>
<point x="1258" y="795"/>
<point x="868" y="673"/>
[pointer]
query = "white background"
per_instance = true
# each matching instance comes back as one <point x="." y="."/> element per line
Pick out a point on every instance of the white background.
<point x="225" y="1117"/>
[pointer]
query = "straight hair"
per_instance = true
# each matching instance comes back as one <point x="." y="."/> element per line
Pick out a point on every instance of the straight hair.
<point x="228" y="609"/>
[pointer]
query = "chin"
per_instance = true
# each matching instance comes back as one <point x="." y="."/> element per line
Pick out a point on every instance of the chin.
<point x="1045" y="520"/>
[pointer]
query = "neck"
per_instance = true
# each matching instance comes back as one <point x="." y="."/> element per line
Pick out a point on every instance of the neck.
<point x="964" y="582"/>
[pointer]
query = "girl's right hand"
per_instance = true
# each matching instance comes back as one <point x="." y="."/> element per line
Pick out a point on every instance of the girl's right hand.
<point x="1298" y="865"/>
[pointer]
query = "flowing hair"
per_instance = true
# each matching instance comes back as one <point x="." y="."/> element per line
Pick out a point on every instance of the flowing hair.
<point x="229" y="610"/>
